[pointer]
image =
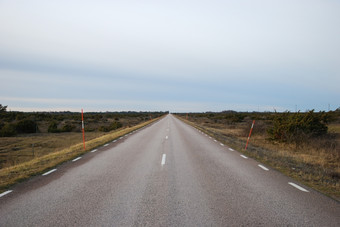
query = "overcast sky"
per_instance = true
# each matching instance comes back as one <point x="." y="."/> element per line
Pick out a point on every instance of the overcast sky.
<point x="243" y="55"/>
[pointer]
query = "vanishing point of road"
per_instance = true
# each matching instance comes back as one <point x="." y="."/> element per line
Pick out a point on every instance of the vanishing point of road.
<point x="166" y="174"/>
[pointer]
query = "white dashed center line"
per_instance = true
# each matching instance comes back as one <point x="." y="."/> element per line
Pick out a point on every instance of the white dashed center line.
<point x="114" y="141"/>
<point x="76" y="159"/>
<point x="222" y="144"/>
<point x="166" y="137"/>
<point x="264" y="168"/>
<point x="298" y="187"/>
<point x="245" y="157"/>
<point x="49" y="172"/>
<point x="163" y="159"/>
<point x="5" y="193"/>
<point x="231" y="149"/>
<point x="94" y="151"/>
<point x="106" y="145"/>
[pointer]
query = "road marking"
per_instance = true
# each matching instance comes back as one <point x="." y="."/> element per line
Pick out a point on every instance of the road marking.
<point x="106" y="145"/>
<point x="222" y="144"/>
<point x="5" y="193"/>
<point x="76" y="159"/>
<point x="298" y="187"/>
<point x="262" y="167"/>
<point x="163" y="159"/>
<point x="114" y="141"/>
<point x="209" y="137"/>
<point x="215" y="140"/>
<point x="245" y="157"/>
<point x="94" y="151"/>
<point x="166" y="137"/>
<point x="231" y="149"/>
<point x="49" y="172"/>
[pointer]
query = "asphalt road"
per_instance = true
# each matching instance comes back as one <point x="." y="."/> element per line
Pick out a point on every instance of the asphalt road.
<point x="167" y="174"/>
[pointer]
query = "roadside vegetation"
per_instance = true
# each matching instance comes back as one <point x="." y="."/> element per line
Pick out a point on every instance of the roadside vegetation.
<point x="31" y="143"/>
<point x="304" y="146"/>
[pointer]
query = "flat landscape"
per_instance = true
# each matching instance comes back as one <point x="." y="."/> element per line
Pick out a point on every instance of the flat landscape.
<point x="38" y="138"/>
<point x="170" y="113"/>
<point x="313" y="160"/>
<point x="28" y="148"/>
<point x="166" y="174"/>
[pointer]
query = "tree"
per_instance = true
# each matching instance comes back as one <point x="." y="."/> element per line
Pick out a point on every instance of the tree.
<point x="3" y="108"/>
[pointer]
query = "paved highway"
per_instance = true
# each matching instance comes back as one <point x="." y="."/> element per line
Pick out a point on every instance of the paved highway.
<point x="167" y="174"/>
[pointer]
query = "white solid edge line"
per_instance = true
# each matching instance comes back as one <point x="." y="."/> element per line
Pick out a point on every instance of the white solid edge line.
<point x="76" y="159"/>
<point x="5" y="193"/>
<point x="163" y="159"/>
<point x="298" y="187"/>
<point x="94" y="151"/>
<point x="264" y="168"/>
<point x="243" y="156"/>
<point x="49" y="172"/>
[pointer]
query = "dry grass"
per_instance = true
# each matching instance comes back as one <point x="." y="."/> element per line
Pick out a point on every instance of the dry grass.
<point x="16" y="150"/>
<point x="16" y="173"/>
<point x="312" y="164"/>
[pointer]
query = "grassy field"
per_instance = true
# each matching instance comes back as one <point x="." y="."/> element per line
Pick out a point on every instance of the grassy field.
<point x="26" y="136"/>
<point x="23" y="148"/>
<point x="55" y="149"/>
<point x="315" y="163"/>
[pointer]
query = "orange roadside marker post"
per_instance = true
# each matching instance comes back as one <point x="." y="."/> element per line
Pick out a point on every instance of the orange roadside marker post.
<point x="251" y="129"/>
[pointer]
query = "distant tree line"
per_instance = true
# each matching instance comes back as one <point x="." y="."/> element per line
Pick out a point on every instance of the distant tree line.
<point x="15" y="122"/>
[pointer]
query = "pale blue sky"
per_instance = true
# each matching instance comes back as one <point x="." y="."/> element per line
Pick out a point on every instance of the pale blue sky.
<point x="182" y="56"/>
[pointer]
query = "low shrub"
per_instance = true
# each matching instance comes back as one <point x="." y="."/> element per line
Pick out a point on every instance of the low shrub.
<point x="297" y="127"/>
<point x="26" y="126"/>
<point x="8" y="130"/>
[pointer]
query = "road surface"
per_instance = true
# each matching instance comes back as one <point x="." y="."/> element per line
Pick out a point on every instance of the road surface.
<point x="167" y="174"/>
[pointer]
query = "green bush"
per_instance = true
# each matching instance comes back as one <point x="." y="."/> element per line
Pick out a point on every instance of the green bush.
<point x="8" y="130"/>
<point x="113" y="126"/>
<point x="67" y="128"/>
<point x="26" y="126"/>
<point x="53" y="127"/>
<point x="297" y="127"/>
